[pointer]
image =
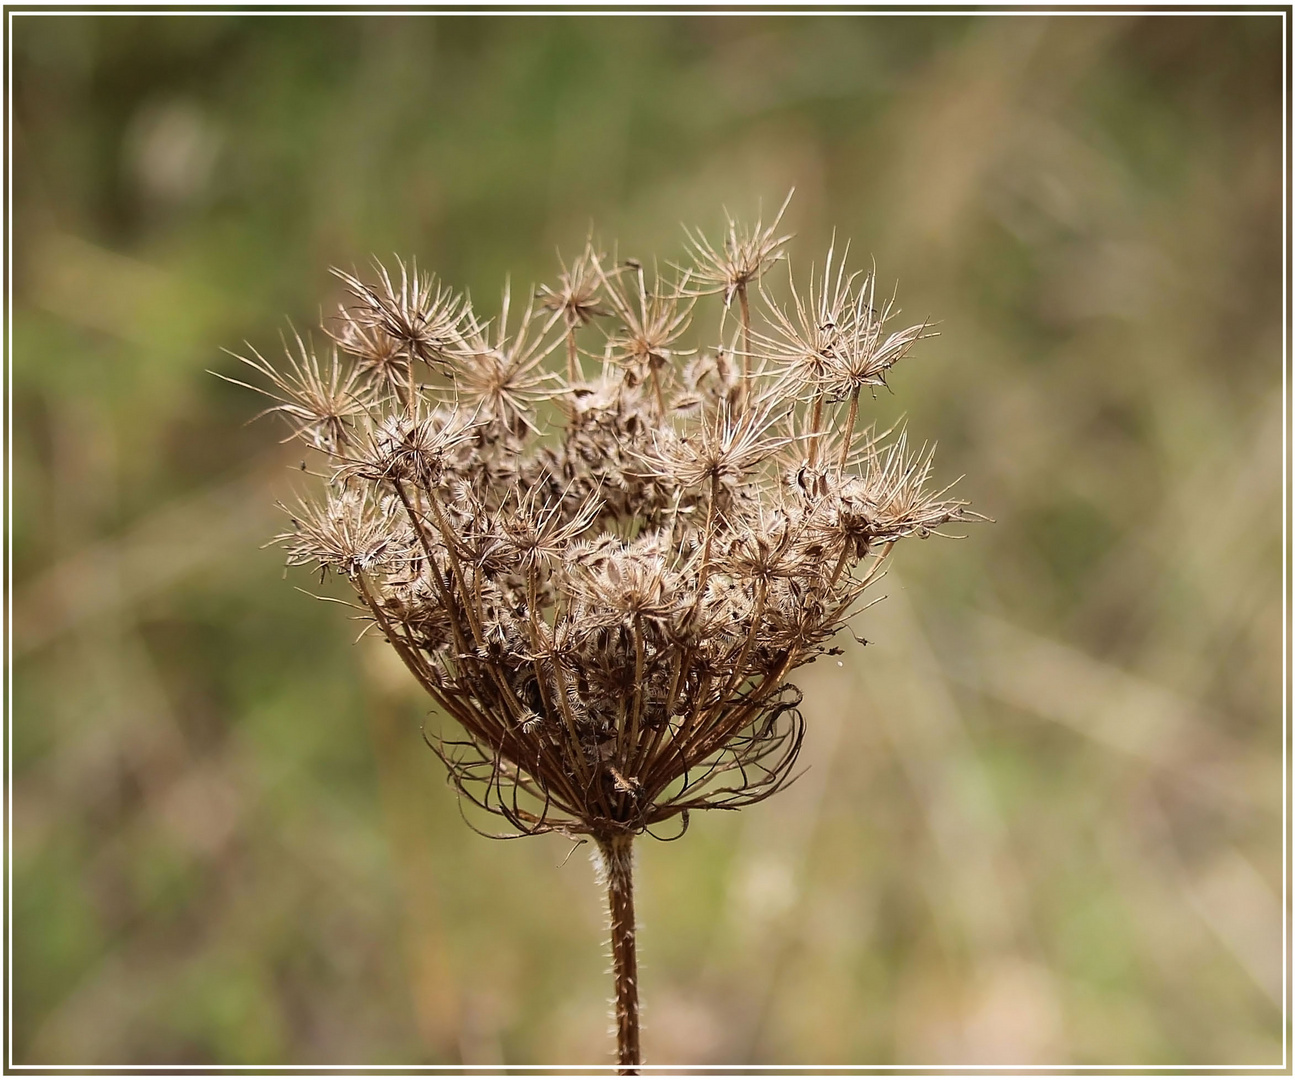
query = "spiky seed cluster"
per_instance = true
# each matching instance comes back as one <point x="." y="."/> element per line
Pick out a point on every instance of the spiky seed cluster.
<point x="741" y="259"/>
<point x="610" y="606"/>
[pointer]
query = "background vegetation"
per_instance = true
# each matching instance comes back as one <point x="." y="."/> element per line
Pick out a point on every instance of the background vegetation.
<point x="1042" y="819"/>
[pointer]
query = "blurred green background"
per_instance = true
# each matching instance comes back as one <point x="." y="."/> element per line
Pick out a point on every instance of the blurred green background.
<point x="1042" y="819"/>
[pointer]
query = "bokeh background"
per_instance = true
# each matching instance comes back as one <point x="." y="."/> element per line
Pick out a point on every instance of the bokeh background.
<point x="1042" y="819"/>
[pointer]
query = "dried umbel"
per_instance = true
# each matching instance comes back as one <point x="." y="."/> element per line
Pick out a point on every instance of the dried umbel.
<point x="602" y="542"/>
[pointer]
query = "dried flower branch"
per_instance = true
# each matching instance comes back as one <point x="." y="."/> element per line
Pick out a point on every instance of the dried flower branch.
<point x="743" y="258"/>
<point x="610" y="610"/>
<point x="575" y="300"/>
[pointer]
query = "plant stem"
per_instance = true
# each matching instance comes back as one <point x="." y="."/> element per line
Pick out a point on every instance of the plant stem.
<point x="574" y="374"/>
<point x="704" y="574"/>
<point x="618" y="867"/>
<point x="849" y="431"/>
<point x="656" y="386"/>
<point x="814" y="423"/>
<point x="746" y="344"/>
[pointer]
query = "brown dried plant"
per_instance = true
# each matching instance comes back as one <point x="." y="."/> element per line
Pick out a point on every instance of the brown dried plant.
<point x="606" y="581"/>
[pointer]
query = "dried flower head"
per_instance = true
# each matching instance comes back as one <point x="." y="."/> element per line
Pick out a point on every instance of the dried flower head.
<point x="320" y="403"/>
<point x="810" y="343"/>
<point x="348" y="533"/>
<point x="609" y="609"/>
<point x="743" y="256"/>
<point x="651" y="321"/>
<point x="420" y="314"/>
<point x="381" y="361"/>
<point x="575" y="299"/>
<point x="502" y="378"/>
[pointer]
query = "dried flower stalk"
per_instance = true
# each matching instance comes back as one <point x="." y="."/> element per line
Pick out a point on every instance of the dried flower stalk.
<point x="606" y="581"/>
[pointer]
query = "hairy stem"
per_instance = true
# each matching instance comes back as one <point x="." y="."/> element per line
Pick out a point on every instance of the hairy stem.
<point x="618" y="868"/>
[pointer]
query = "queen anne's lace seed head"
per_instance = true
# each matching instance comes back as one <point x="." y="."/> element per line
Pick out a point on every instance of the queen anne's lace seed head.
<point x="348" y="532"/>
<point x="575" y="298"/>
<point x="321" y="401"/>
<point x="740" y="259"/>
<point x="419" y="313"/>
<point x="606" y="577"/>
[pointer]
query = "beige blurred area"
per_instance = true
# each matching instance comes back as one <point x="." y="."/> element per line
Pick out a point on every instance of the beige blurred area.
<point x="1041" y="817"/>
